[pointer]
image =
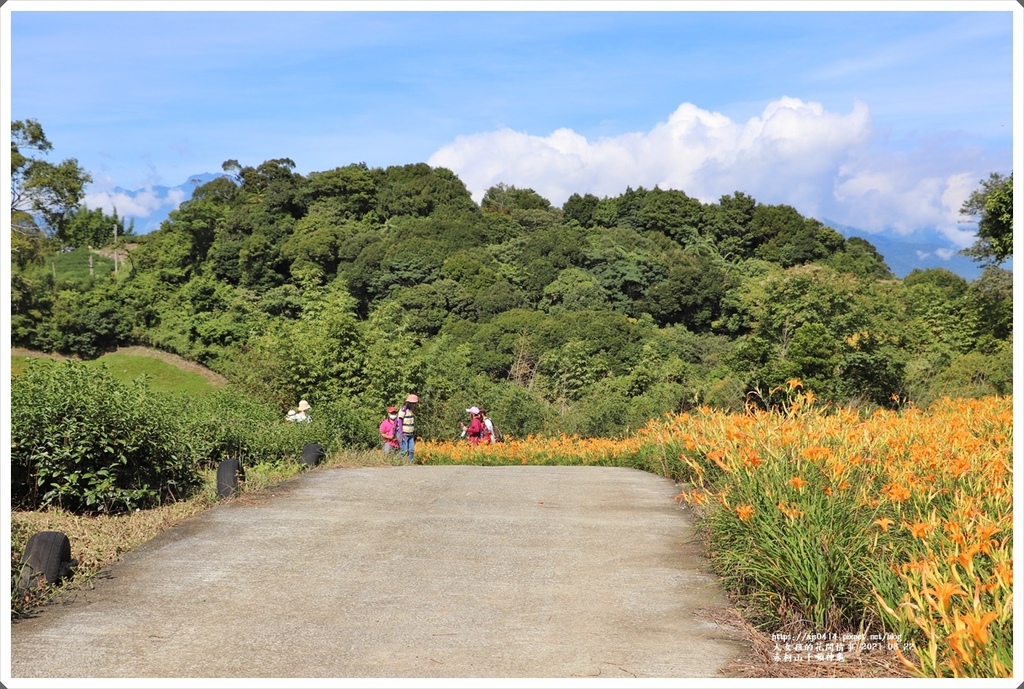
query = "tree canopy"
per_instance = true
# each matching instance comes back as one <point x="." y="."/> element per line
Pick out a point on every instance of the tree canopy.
<point x="991" y="206"/>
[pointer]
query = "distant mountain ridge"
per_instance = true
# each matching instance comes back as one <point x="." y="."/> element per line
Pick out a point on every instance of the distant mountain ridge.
<point x="901" y="256"/>
<point x="904" y="256"/>
<point x="169" y="198"/>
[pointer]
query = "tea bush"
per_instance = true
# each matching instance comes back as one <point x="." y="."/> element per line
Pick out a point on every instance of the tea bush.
<point x="87" y="442"/>
<point x="84" y="441"/>
<point x="231" y="424"/>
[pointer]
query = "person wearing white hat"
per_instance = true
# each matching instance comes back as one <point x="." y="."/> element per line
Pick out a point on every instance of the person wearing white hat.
<point x="301" y="415"/>
<point x="475" y="429"/>
<point x="407" y="427"/>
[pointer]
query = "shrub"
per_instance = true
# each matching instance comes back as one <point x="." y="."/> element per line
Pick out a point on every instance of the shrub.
<point x="231" y="424"/>
<point x="84" y="441"/>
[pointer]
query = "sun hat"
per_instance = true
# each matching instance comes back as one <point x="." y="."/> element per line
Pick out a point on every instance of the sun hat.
<point x="473" y="410"/>
<point x="392" y="410"/>
<point x="412" y="398"/>
<point x="303" y="405"/>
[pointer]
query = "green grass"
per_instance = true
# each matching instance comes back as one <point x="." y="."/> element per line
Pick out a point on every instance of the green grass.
<point x="161" y="375"/>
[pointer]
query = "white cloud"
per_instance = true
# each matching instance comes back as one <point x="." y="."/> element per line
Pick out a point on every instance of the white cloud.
<point x="896" y="199"/>
<point x="705" y="154"/>
<point x="141" y="203"/>
<point x="825" y="164"/>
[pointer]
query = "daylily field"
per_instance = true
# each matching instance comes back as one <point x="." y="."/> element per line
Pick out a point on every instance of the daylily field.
<point x="828" y="521"/>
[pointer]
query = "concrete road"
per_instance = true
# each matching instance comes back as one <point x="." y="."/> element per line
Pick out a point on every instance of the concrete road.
<point x="404" y="572"/>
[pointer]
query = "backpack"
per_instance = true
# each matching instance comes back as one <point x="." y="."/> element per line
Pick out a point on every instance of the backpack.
<point x="496" y="436"/>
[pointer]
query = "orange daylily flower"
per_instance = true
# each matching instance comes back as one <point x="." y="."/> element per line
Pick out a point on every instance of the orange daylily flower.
<point x="919" y="529"/>
<point x="966" y="558"/>
<point x="790" y="511"/>
<point x="896" y="493"/>
<point x="944" y="591"/>
<point x="751" y="458"/>
<point x="1004" y="573"/>
<point x="797" y="482"/>
<point x="884" y="523"/>
<point x="745" y="512"/>
<point x="815" y="452"/>
<point x="956" y="642"/>
<point x="977" y="626"/>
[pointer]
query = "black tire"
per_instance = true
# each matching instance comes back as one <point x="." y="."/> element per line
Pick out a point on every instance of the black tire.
<point x="47" y="555"/>
<point x="312" y="454"/>
<point x="229" y="472"/>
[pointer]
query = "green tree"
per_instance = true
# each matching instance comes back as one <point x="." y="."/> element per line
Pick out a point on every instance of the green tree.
<point x="690" y="294"/>
<point x="784" y="236"/>
<point x="816" y="355"/>
<point x="503" y="198"/>
<point x="729" y="224"/>
<point x="860" y="257"/>
<point x="352" y="189"/>
<point x="85" y="227"/>
<point x="672" y="213"/>
<point x="991" y="206"/>
<point x="574" y="290"/>
<point x="581" y="209"/>
<point x="43" y="194"/>
<point x="989" y="299"/>
<point x="420" y="190"/>
<point x="272" y="184"/>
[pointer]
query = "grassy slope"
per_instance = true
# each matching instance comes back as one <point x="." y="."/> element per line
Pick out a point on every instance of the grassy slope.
<point x="163" y="371"/>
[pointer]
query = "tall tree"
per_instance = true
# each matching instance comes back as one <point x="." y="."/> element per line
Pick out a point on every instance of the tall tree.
<point x="42" y="193"/>
<point x="92" y="227"/>
<point x="991" y="205"/>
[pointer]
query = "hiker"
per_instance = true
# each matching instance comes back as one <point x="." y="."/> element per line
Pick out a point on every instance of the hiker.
<point x="302" y="415"/>
<point x="488" y="433"/>
<point x="406" y="429"/>
<point x="388" y="431"/>
<point x="474" y="431"/>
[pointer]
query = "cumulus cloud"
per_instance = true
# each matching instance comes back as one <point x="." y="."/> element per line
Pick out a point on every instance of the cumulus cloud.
<point x="141" y="203"/>
<point x="895" y="195"/>
<point x="824" y="164"/>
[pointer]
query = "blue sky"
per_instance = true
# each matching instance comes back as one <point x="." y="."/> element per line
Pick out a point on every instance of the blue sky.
<point x="880" y="120"/>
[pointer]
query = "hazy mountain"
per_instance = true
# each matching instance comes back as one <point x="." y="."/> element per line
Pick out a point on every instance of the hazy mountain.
<point x="158" y="200"/>
<point x="905" y="255"/>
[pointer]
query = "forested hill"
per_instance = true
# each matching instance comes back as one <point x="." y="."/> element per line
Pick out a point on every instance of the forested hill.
<point x="364" y="284"/>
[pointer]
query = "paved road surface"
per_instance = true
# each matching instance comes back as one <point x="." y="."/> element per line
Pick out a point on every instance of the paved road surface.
<point x="404" y="572"/>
